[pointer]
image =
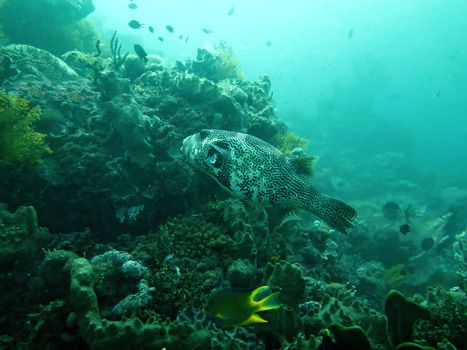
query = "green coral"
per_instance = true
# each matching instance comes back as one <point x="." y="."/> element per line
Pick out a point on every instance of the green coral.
<point x="19" y="142"/>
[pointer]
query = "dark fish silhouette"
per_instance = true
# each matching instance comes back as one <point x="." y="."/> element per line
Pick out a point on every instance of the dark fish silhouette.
<point x="151" y="29"/>
<point x="207" y="30"/>
<point x="135" y="24"/>
<point x="404" y="229"/>
<point x="169" y="28"/>
<point x="132" y="6"/>
<point x="143" y="56"/>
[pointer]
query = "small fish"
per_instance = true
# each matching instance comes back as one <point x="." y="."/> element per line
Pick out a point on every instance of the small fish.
<point x="160" y="38"/>
<point x="132" y="6"/>
<point x="143" y="56"/>
<point x="268" y="43"/>
<point x="254" y="170"/>
<point x="404" y="229"/>
<point x="240" y="308"/>
<point x="135" y="24"/>
<point x="169" y="28"/>
<point x="207" y="30"/>
<point x="180" y="37"/>
<point x="350" y="34"/>
<point x="151" y="29"/>
<point x="437" y="94"/>
<point x="186" y="40"/>
<point x="231" y="11"/>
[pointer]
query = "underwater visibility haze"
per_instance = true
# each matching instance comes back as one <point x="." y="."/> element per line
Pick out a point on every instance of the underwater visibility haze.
<point x="239" y="174"/>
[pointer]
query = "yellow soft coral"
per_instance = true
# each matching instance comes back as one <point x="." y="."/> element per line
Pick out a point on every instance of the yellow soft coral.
<point x="19" y="142"/>
<point x="287" y="141"/>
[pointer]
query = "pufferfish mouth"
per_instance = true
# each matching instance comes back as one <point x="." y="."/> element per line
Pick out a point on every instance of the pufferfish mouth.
<point x="187" y="146"/>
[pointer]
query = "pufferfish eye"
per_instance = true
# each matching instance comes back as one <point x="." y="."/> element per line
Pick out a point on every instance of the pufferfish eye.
<point x="214" y="158"/>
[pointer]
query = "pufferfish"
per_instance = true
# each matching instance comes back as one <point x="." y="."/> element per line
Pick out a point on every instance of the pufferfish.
<point x="254" y="170"/>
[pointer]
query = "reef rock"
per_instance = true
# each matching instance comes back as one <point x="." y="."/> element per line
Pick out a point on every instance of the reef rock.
<point x="35" y="64"/>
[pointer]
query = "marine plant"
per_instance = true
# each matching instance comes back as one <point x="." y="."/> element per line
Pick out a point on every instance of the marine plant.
<point x="19" y="142"/>
<point x="287" y="142"/>
<point x="115" y="51"/>
<point x="227" y="64"/>
<point x="217" y="65"/>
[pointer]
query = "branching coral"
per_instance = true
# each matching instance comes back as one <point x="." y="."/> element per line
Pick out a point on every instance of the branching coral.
<point x="19" y="142"/>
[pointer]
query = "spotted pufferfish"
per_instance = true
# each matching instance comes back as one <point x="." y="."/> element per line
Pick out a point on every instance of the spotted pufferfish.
<point x="254" y="170"/>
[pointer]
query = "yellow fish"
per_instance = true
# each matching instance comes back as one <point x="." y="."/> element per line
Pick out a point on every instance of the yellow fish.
<point x="240" y="308"/>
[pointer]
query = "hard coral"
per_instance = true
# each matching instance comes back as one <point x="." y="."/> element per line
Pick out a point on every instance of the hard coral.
<point x="19" y="142"/>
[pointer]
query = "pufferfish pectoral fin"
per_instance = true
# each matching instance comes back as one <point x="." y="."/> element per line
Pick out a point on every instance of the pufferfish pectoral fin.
<point x="304" y="166"/>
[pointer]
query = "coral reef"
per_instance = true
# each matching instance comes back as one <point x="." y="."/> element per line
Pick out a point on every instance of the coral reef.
<point x="22" y="247"/>
<point x="124" y="137"/>
<point x="447" y="318"/>
<point x="140" y="242"/>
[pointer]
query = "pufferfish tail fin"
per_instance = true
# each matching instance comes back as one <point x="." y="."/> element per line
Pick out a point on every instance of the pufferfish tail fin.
<point x="333" y="212"/>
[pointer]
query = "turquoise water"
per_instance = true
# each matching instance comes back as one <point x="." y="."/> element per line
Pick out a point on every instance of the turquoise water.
<point x="212" y="174"/>
<point x="404" y="66"/>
